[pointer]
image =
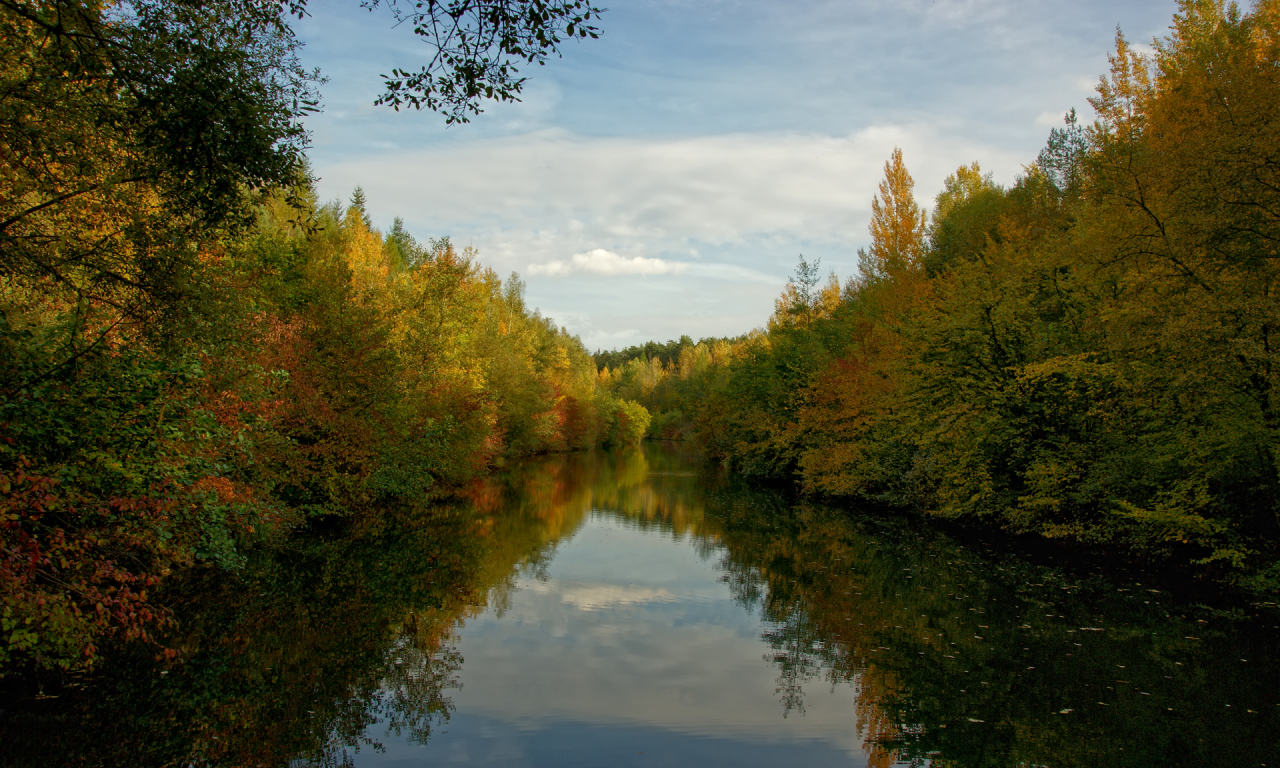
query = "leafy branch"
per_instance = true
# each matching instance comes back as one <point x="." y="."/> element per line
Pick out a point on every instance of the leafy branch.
<point x="479" y="47"/>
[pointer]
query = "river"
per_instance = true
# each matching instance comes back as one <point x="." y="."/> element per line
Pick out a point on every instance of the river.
<point x="639" y="608"/>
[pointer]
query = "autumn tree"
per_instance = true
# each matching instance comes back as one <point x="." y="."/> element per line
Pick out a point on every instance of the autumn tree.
<point x="897" y="225"/>
<point x="1185" y="240"/>
<point x="966" y="215"/>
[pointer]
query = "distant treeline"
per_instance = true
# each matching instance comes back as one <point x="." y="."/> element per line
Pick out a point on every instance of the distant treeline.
<point x="1091" y="354"/>
<point x="666" y="354"/>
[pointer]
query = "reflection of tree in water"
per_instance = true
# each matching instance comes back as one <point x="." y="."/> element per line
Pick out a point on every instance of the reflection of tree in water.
<point x="648" y="487"/>
<point x="797" y="653"/>
<point x="421" y="669"/>
<point x="966" y="658"/>
<point x="770" y="568"/>
<point x="347" y="627"/>
<point x="657" y="489"/>
<point x="290" y="662"/>
<point x="959" y="658"/>
<point x="410" y="699"/>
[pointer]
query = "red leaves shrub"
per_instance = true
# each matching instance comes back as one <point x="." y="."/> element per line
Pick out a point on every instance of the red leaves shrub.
<point x="69" y="569"/>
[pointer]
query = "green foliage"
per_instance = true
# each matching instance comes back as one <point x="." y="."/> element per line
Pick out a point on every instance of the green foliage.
<point x="967" y="214"/>
<point x="479" y="47"/>
<point x="111" y="475"/>
<point x="324" y="373"/>
<point x="1063" y="158"/>
<point x="631" y="423"/>
<point x="1089" y="354"/>
<point x="668" y="425"/>
<point x="666" y="353"/>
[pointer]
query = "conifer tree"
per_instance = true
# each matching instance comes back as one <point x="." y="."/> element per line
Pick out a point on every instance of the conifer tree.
<point x="358" y="201"/>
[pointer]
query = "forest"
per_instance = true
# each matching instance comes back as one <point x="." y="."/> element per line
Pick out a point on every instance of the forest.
<point x="199" y="356"/>
<point x="1087" y="355"/>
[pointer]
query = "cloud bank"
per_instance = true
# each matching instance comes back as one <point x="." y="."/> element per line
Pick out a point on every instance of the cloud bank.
<point x="730" y="136"/>
<point x="602" y="262"/>
<point x="531" y="198"/>
<point x="728" y="213"/>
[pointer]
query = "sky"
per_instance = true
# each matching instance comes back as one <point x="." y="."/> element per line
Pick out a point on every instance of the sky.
<point x="665" y="179"/>
<point x="629" y="641"/>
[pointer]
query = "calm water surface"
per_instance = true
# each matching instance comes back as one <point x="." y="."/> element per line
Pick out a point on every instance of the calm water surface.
<point x="620" y="609"/>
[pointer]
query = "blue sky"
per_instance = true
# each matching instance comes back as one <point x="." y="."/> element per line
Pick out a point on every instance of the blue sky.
<point x="664" y="179"/>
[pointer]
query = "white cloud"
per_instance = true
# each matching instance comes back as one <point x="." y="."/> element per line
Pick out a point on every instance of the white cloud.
<point x="1088" y="84"/>
<point x="602" y="262"/>
<point x="595" y="597"/>
<point x="729" y="135"/>
<point x="531" y="198"/>
<point x="1050" y="119"/>
<point x="729" y="213"/>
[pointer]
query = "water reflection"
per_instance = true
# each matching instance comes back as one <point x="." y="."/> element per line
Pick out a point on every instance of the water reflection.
<point x="966" y="658"/>
<point x="634" y="608"/>
<point x="293" y="661"/>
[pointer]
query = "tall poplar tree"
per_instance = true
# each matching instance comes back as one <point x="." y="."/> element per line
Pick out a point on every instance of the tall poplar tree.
<point x="897" y="225"/>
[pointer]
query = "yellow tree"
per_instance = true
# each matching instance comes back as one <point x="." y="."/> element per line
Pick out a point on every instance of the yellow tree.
<point x="897" y="225"/>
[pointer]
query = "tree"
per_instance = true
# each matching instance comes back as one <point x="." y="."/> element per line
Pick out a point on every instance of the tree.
<point x="1062" y="159"/>
<point x="403" y="251"/>
<point x="129" y="141"/>
<point x="801" y="299"/>
<point x="966" y="215"/>
<point x="631" y="423"/>
<point x="1183" y="187"/>
<point x="897" y="225"/>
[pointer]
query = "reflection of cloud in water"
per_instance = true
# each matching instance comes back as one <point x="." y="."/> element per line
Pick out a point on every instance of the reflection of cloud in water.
<point x="634" y="631"/>
<point x="592" y="597"/>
